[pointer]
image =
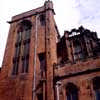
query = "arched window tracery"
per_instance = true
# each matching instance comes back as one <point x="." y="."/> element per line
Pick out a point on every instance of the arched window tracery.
<point x="22" y="46"/>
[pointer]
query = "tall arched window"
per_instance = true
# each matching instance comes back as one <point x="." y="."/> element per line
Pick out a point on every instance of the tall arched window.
<point x="71" y="92"/>
<point x="77" y="50"/>
<point x="22" y="46"/>
<point x="26" y="45"/>
<point x="96" y="87"/>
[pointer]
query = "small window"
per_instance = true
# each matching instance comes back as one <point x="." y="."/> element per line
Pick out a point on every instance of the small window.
<point x="42" y="61"/>
<point x="42" y="19"/>
<point x="40" y="96"/>
<point x="77" y="51"/>
<point x="71" y="92"/>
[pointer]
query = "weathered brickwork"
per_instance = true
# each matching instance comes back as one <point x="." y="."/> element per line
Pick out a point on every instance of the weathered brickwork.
<point x="75" y="76"/>
<point x="38" y="64"/>
<point x="28" y="86"/>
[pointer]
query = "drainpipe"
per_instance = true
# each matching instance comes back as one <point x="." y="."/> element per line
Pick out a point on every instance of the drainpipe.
<point x="35" y="53"/>
<point x="57" y="88"/>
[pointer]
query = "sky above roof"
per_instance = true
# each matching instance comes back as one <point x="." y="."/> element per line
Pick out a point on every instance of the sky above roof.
<point x="69" y="14"/>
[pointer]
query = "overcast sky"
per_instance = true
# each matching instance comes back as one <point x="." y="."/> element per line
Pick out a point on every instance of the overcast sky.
<point x="69" y="14"/>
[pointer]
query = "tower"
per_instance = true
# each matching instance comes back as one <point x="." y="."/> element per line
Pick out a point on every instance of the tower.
<point x="27" y="68"/>
<point x="39" y="65"/>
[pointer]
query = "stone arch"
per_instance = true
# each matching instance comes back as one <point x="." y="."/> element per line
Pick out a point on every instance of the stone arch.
<point x="22" y="24"/>
<point x="71" y="91"/>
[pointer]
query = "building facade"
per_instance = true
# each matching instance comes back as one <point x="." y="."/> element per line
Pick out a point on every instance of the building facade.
<point x="38" y="64"/>
<point x="77" y="72"/>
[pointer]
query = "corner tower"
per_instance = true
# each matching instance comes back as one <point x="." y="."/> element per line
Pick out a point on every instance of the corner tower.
<point x="27" y="68"/>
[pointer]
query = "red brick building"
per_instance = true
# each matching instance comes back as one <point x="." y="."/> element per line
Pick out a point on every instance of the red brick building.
<point x="38" y="64"/>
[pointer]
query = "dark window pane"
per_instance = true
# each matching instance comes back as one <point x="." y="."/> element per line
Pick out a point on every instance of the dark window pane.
<point x="71" y="92"/>
<point x="17" y="51"/>
<point x="27" y="34"/>
<point x="96" y="87"/>
<point x="19" y="36"/>
<point x="97" y="93"/>
<point x="42" y="61"/>
<point x="77" y="49"/>
<point x="26" y="49"/>
<point x="68" y="97"/>
<point x="25" y="63"/>
<point x="15" y="68"/>
<point x="40" y="96"/>
<point x="26" y="27"/>
<point x="22" y="66"/>
<point x="96" y="83"/>
<point x="74" y="95"/>
<point x="42" y="19"/>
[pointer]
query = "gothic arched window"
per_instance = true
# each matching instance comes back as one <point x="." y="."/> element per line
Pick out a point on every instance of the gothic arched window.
<point x="22" y="46"/>
<point x="96" y="87"/>
<point x="77" y="50"/>
<point x="71" y="92"/>
<point x="42" y="19"/>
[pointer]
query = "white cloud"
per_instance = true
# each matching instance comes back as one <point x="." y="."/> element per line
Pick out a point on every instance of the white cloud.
<point x="67" y="17"/>
<point x="89" y="14"/>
